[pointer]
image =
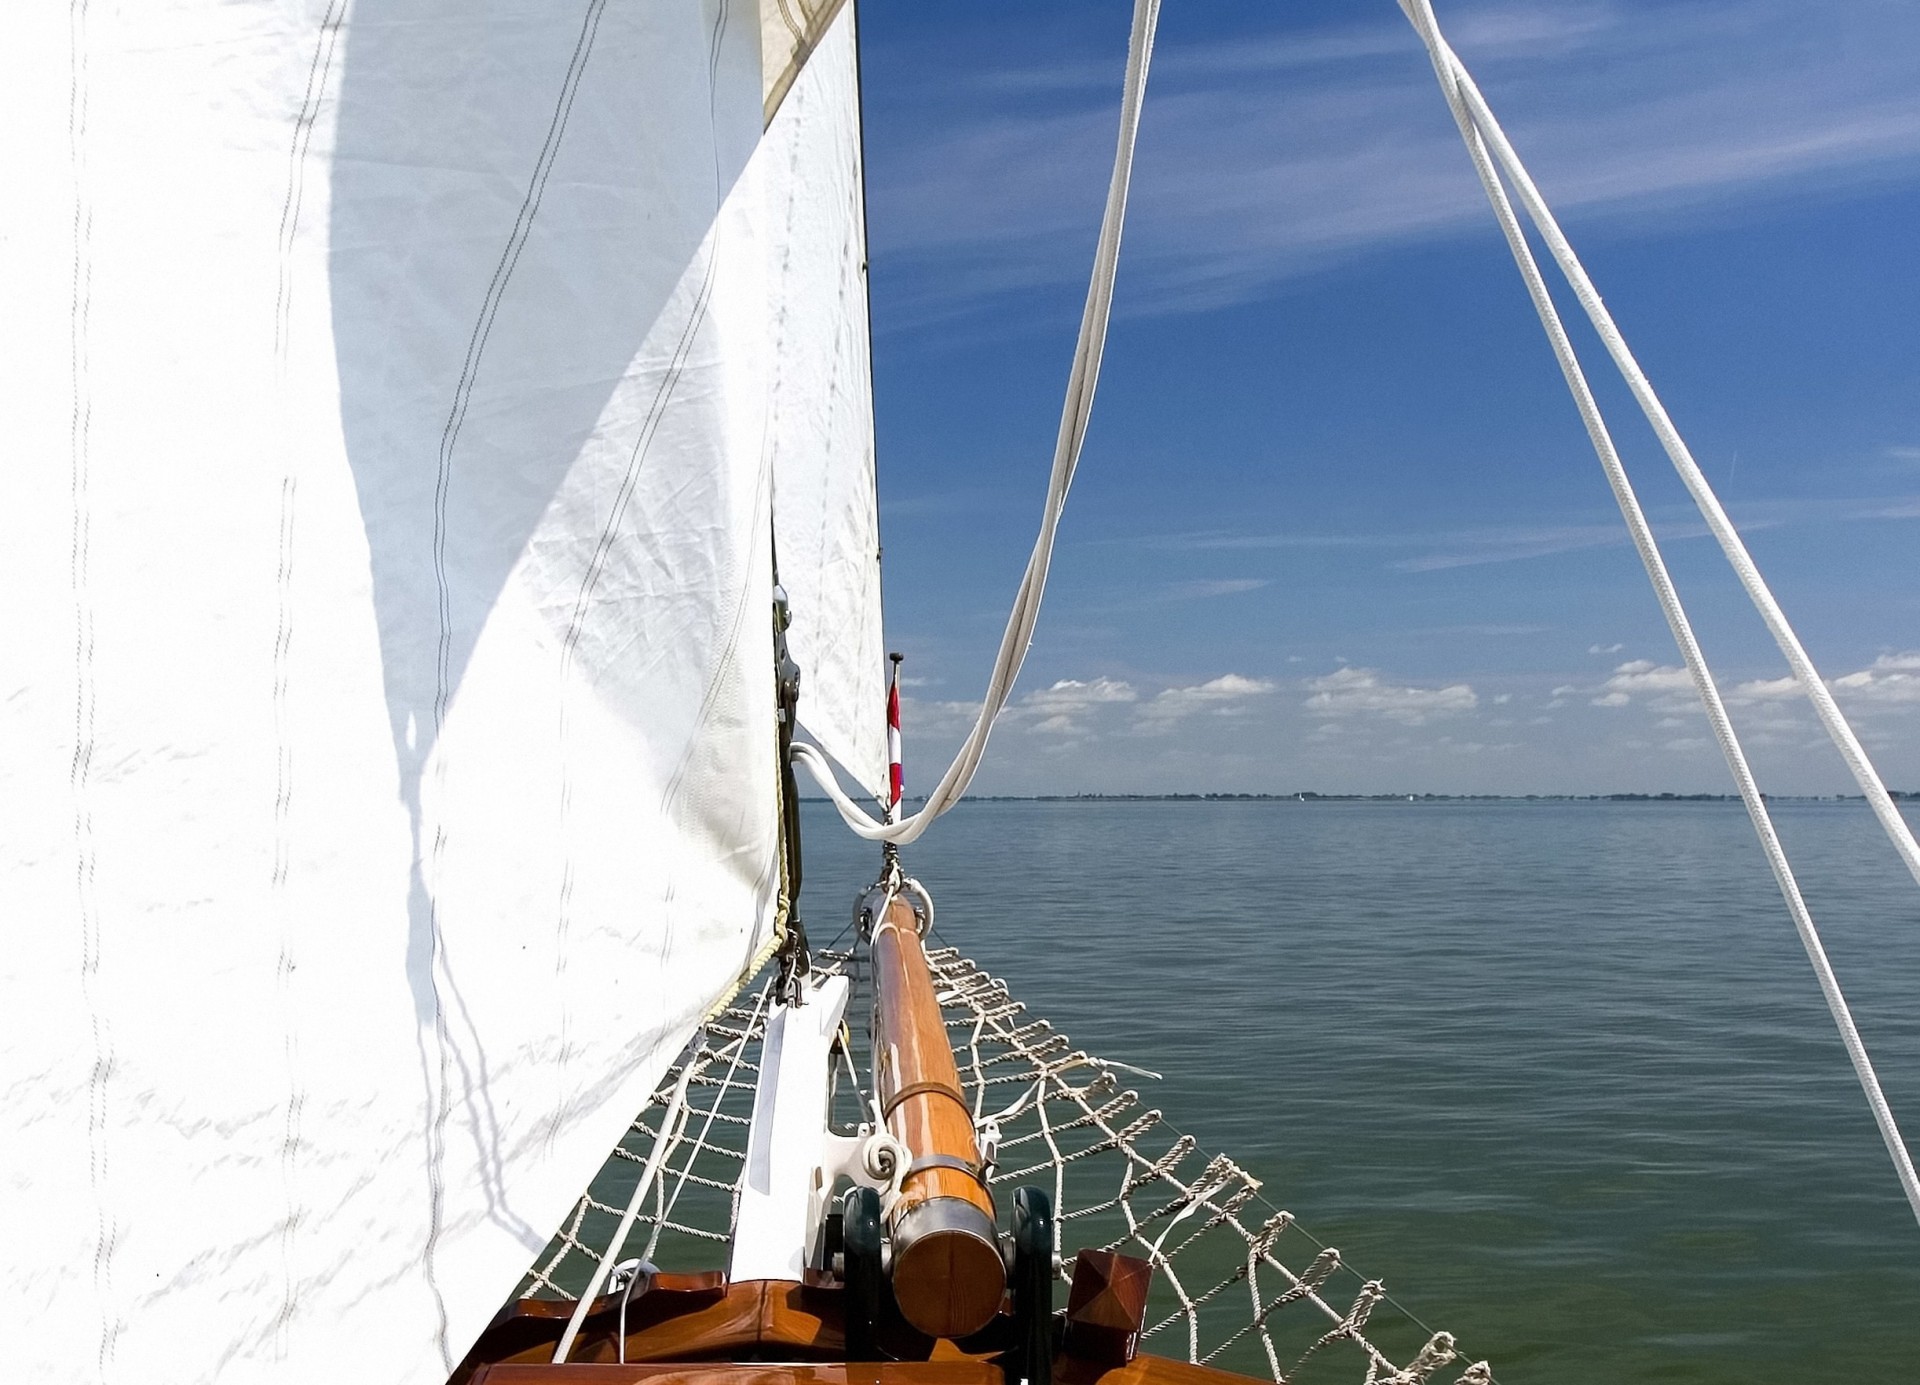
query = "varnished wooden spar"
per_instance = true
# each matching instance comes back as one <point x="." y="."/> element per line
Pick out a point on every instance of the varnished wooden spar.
<point x="948" y="1277"/>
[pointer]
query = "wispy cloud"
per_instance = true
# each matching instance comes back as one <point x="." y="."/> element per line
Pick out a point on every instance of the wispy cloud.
<point x="1270" y="156"/>
<point x="1893" y="509"/>
<point x="1492" y="630"/>
<point x="1213" y="540"/>
<point x="1505" y="543"/>
<point x="935" y="717"/>
<point x="1219" y="586"/>
<point x="1514" y="543"/>
<point x="941" y="504"/>
<point x="1457" y="547"/>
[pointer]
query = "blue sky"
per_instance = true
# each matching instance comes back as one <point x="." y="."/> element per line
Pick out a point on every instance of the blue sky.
<point x="1337" y="526"/>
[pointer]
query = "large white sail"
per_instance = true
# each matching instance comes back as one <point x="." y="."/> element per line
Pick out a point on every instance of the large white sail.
<point x="387" y="780"/>
<point x="821" y="432"/>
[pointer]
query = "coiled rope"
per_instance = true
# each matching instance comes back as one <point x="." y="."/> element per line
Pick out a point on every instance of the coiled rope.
<point x="1074" y="415"/>
<point x="1480" y="131"/>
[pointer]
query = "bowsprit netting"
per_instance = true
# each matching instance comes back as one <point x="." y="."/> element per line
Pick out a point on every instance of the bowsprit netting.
<point x="1238" y="1284"/>
<point x="1122" y="1178"/>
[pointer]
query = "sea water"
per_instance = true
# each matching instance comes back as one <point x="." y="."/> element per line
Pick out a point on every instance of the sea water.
<point x="1557" y="1072"/>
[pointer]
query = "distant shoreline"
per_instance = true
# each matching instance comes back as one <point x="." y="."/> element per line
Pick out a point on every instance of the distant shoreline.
<point x="1898" y="795"/>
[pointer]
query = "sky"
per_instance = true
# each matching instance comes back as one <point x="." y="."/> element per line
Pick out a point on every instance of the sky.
<point x="1337" y="526"/>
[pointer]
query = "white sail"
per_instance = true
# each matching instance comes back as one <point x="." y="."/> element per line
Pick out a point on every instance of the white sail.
<point x="386" y="727"/>
<point x="790" y="31"/>
<point x="825" y="526"/>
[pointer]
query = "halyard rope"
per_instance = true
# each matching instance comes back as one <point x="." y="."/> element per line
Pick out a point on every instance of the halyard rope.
<point x="1074" y="415"/>
<point x="1478" y="130"/>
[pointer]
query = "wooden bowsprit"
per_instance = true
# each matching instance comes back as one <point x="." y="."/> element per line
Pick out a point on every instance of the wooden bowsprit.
<point x="948" y="1274"/>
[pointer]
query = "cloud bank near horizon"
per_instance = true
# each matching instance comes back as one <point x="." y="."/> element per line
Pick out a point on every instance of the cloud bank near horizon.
<point x="1637" y="727"/>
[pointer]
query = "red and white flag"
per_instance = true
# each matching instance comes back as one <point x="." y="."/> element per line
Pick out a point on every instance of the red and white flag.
<point x="893" y="745"/>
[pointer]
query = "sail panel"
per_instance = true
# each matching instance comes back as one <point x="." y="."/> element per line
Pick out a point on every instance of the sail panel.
<point x="790" y="31"/>
<point x="826" y="524"/>
<point x="388" y="783"/>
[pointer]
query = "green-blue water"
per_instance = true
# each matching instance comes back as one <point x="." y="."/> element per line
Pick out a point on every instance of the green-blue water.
<point x="1558" y="1073"/>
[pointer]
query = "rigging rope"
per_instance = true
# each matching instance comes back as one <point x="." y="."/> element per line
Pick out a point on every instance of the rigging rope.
<point x="1731" y="544"/>
<point x="1074" y="415"/>
<point x="1478" y="130"/>
<point x="671" y="1126"/>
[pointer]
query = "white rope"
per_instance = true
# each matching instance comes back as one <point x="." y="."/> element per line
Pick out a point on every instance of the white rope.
<point x="1066" y="456"/>
<point x="1186" y="1223"/>
<point x="1804" y="672"/>
<point x="671" y="1122"/>
<point x="1456" y="86"/>
<point x="706" y="1129"/>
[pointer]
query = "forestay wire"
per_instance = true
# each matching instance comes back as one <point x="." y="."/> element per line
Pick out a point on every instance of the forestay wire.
<point x="1074" y="415"/>
<point x="1237" y="1283"/>
<point x="1485" y="143"/>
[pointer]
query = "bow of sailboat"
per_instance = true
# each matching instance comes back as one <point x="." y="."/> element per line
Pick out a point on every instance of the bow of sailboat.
<point x="447" y="404"/>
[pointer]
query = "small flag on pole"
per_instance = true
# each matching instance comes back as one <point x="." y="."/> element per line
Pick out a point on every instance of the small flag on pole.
<point x="894" y="778"/>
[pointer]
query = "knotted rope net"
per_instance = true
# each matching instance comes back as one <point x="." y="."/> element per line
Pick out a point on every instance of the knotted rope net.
<point x="1238" y="1284"/>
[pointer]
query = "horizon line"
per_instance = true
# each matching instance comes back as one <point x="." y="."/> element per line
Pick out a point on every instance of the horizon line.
<point x="1402" y="796"/>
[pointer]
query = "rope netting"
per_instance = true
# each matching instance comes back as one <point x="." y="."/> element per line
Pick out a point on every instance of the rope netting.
<point x="1238" y="1284"/>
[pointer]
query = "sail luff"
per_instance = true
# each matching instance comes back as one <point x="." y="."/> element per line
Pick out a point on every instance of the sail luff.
<point x="826" y="521"/>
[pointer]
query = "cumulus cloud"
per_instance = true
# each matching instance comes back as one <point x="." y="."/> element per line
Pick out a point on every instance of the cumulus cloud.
<point x="1348" y="692"/>
<point x="1771" y="710"/>
<point x="1605" y="648"/>
<point x="1229" y="694"/>
<point x="1071" y="694"/>
<point x="1062" y="708"/>
<point x="1893" y="679"/>
<point x="1669" y="686"/>
<point x="1764" y="690"/>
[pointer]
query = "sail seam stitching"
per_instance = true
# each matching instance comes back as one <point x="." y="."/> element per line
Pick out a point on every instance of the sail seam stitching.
<point x="636" y="461"/>
<point x="319" y="72"/>
<point x="80" y="423"/>
<point x="463" y="393"/>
